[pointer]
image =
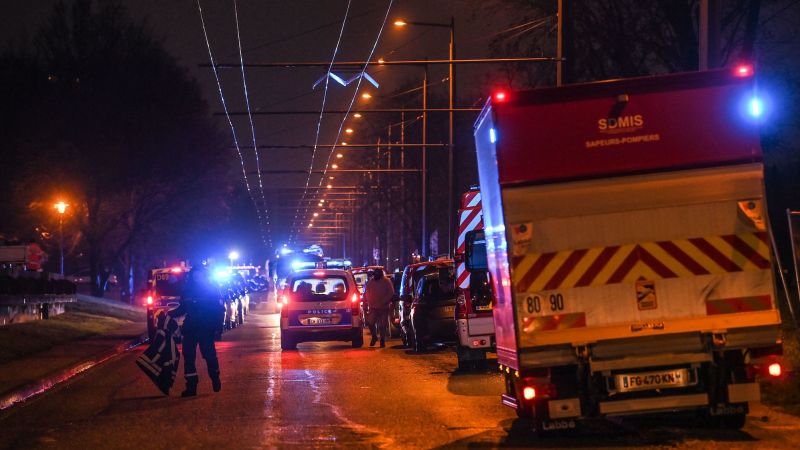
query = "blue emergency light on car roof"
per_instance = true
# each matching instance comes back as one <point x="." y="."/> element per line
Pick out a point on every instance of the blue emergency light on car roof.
<point x="492" y="135"/>
<point x="297" y="265"/>
<point x="222" y="275"/>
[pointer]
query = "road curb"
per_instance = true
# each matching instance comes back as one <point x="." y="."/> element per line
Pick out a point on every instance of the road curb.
<point x="43" y="385"/>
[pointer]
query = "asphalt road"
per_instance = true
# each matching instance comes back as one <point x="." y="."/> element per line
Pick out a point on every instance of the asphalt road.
<point x="328" y="395"/>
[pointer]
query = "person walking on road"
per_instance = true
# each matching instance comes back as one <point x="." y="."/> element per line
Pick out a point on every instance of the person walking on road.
<point x="378" y="294"/>
<point x="202" y="306"/>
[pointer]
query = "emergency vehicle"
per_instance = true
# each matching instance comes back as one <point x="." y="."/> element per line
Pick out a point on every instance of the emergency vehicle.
<point x="628" y="242"/>
<point x="320" y="305"/>
<point x="164" y="292"/>
<point x="474" y="297"/>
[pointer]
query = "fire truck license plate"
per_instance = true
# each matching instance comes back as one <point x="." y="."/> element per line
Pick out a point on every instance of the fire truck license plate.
<point x="652" y="380"/>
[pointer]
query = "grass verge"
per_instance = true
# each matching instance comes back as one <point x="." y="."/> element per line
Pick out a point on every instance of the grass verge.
<point x="80" y="321"/>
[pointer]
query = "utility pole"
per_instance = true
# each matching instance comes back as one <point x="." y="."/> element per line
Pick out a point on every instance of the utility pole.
<point x="424" y="243"/>
<point x="403" y="232"/>
<point x="450" y="149"/>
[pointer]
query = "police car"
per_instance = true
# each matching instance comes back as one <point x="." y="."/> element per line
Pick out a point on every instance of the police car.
<point x="320" y="305"/>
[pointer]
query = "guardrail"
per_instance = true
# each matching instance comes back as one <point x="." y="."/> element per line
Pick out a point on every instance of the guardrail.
<point x="25" y="308"/>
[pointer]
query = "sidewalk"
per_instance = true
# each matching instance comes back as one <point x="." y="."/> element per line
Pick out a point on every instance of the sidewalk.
<point x="39" y="354"/>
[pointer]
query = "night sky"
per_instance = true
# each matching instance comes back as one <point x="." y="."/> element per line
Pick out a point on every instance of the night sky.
<point x="296" y="31"/>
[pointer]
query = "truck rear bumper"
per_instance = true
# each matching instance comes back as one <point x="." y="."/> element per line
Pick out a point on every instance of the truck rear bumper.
<point x="674" y="402"/>
<point x="476" y="341"/>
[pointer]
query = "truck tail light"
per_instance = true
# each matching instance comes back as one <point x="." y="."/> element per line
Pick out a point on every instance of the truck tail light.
<point x="537" y="388"/>
<point x="775" y="369"/>
<point x="529" y="393"/>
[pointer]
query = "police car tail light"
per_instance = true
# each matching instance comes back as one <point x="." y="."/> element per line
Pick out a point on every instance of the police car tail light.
<point x="743" y="70"/>
<point x="355" y="298"/>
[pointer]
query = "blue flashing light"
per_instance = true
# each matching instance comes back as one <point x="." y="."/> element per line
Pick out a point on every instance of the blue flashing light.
<point x="298" y="265"/>
<point x="492" y="135"/>
<point x="755" y="107"/>
<point x="285" y="251"/>
<point x="222" y="275"/>
<point x="347" y="262"/>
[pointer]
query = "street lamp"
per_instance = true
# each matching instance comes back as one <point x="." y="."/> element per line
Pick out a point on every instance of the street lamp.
<point x="400" y="23"/>
<point x="233" y="256"/>
<point x="61" y="207"/>
<point x="366" y="96"/>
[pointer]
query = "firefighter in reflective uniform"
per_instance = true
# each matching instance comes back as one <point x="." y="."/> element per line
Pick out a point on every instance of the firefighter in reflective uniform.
<point x="202" y="306"/>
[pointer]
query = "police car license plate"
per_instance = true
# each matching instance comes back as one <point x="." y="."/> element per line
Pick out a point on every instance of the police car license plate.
<point x="652" y="380"/>
<point x="320" y="321"/>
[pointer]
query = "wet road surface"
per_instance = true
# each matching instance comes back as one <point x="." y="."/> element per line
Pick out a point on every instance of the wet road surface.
<point x="328" y="395"/>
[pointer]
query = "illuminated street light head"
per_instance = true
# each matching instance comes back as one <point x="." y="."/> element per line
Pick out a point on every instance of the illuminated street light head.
<point x="366" y="96"/>
<point x="400" y="23"/>
<point x="334" y="166"/>
<point x="348" y="130"/>
<point x="234" y="255"/>
<point x="316" y="214"/>
<point x="344" y="143"/>
<point x="339" y="155"/>
<point x="357" y="115"/>
<point x="61" y="207"/>
<point x="330" y="186"/>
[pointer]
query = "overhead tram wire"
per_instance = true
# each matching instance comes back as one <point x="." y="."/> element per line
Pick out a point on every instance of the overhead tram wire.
<point x="322" y="110"/>
<point x="355" y="94"/>
<point x="230" y="123"/>
<point x="252" y="127"/>
<point x="355" y="91"/>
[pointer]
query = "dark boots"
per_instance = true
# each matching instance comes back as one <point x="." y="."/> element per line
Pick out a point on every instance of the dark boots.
<point x="191" y="387"/>
<point x="216" y="384"/>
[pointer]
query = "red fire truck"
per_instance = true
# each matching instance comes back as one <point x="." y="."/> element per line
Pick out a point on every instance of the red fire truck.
<point x="475" y="300"/>
<point x="628" y="242"/>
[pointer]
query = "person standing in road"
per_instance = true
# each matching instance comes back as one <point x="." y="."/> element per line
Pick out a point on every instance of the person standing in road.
<point x="202" y="306"/>
<point x="378" y="294"/>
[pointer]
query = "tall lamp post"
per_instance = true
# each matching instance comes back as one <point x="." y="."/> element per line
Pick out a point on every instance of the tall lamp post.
<point x="233" y="256"/>
<point x="61" y="207"/>
<point x="451" y="57"/>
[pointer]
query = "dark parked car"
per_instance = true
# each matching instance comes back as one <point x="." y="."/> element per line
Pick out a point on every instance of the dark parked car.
<point x="408" y="285"/>
<point x="433" y="310"/>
